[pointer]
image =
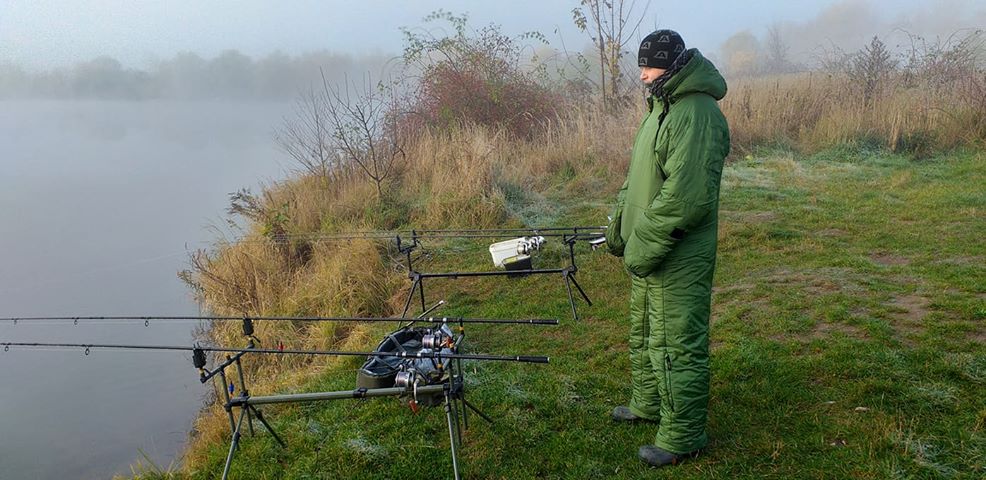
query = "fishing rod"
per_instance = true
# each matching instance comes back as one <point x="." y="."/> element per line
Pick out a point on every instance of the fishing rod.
<point x="519" y="229"/>
<point x="390" y="233"/>
<point x="148" y="318"/>
<point x="546" y="232"/>
<point x="592" y="231"/>
<point x="580" y="236"/>
<point x="278" y="351"/>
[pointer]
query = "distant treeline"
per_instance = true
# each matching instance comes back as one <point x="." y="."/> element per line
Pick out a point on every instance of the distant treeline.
<point x="231" y="75"/>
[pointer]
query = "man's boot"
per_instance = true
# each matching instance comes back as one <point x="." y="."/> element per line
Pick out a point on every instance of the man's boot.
<point x="657" y="457"/>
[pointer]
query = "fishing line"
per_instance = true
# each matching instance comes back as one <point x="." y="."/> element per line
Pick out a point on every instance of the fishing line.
<point x="147" y="319"/>
<point x="88" y="347"/>
<point x="433" y="233"/>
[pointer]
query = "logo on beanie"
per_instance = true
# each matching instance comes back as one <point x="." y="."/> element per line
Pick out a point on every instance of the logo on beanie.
<point x="664" y="39"/>
<point x="642" y="62"/>
<point x="661" y="55"/>
<point x="679" y="48"/>
<point x="645" y="46"/>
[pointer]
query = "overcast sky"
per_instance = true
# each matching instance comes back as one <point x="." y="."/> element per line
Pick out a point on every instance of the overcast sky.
<point x="45" y="33"/>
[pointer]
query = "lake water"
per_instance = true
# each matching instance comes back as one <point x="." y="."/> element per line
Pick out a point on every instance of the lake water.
<point x="100" y="201"/>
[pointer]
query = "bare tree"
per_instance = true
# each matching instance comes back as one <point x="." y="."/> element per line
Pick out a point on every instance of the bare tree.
<point x="365" y="129"/>
<point x="307" y="137"/>
<point x="871" y="66"/>
<point x="942" y="63"/>
<point x="611" y="24"/>
<point x="347" y="127"/>
<point x="778" y="60"/>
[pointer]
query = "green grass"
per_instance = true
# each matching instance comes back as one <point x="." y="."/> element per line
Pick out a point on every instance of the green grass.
<point x="848" y="341"/>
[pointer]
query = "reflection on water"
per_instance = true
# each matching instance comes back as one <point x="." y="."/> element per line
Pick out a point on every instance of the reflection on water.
<point x="99" y="203"/>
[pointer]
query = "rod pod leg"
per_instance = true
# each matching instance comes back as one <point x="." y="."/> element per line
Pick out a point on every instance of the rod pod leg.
<point x="478" y="412"/>
<point x="451" y="435"/>
<point x="234" y="444"/>
<point x="462" y="395"/>
<point x="229" y="410"/>
<point x="245" y="393"/>
<point x="571" y="275"/>
<point x="421" y="290"/>
<point x="455" y="415"/>
<point x="571" y="299"/>
<point x="410" y="295"/>
<point x="260" y="416"/>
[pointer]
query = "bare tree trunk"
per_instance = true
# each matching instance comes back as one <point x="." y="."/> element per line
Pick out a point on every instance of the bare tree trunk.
<point x="607" y="24"/>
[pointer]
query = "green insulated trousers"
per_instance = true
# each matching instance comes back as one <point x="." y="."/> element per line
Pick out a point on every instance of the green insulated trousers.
<point x="669" y="352"/>
<point x="665" y="226"/>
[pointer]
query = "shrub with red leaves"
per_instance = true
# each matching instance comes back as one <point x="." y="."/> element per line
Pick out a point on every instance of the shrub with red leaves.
<point x="477" y="77"/>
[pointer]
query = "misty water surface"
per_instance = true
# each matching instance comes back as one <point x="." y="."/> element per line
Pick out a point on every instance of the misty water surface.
<point x="99" y="203"/>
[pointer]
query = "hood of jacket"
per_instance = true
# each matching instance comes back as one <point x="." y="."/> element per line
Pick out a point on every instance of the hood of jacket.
<point x="699" y="75"/>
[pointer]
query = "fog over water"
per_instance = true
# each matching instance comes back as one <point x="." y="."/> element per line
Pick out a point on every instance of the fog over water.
<point x="46" y="33"/>
<point x="101" y="200"/>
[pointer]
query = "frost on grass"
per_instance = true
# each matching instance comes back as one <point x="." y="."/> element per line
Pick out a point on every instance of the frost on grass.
<point x="315" y="428"/>
<point x="819" y="281"/>
<point x="924" y="453"/>
<point x="572" y="394"/>
<point x="366" y="448"/>
<point x="516" y="392"/>
<point x="970" y="367"/>
<point x="936" y="394"/>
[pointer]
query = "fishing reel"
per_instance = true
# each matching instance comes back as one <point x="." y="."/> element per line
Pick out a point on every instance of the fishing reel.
<point x="421" y="372"/>
<point x="437" y="340"/>
<point x="383" y="372"/>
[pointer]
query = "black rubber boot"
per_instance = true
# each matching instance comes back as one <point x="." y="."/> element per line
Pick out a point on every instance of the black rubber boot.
<point x="623" y="414"/>
<point x="657" y="457"/>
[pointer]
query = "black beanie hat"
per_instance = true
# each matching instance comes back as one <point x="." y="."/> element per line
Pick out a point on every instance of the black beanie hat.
<point x="660" y="49"/>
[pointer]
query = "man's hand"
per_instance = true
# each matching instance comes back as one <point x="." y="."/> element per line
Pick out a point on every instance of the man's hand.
<point x="613" y="239"/>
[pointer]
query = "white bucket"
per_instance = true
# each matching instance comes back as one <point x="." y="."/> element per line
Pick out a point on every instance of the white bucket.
<point x="501" y="251"/>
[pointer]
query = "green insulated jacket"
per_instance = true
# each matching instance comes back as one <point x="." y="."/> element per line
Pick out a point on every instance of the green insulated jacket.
<point x="671" y="193"/>
<point x="665" y="226"/>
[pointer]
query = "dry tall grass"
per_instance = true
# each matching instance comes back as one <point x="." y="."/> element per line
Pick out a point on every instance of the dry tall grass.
<point x="454" y="178"/>
<point x="811" y="111"/>
<point x="255" y="277"/>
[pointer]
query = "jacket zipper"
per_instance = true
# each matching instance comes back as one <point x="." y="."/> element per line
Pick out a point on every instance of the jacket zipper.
<point x="667" y="356"/>
<point x="667" y="376"/>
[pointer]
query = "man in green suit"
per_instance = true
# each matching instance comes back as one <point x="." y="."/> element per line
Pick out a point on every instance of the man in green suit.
<point x="665" y="227"/>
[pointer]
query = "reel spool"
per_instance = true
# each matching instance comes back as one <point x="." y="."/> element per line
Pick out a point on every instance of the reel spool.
<point x="436" y="341"/>
<point x="404" y="379"/>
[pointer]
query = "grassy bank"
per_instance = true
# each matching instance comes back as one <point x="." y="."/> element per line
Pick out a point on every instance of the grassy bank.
<point x="848" y="338"/>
